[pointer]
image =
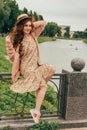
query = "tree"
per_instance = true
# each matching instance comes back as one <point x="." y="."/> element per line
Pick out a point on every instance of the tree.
<point x="30" y="13"/>
<point x="4" y="14"/>
<point x="9" y="11"/>
<point x="80" y="34"/>
<point x="51" y="29"/>
<point x="86" y="30"/>
<point x="25" y="11"/>
<point x="35" y="16"/>
<point x="67" y="33"/>
<point x="40" y="17"/>
<point x="14" y="12"/>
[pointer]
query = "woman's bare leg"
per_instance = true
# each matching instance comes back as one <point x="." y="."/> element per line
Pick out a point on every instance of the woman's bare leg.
<point x="40" y="94"/>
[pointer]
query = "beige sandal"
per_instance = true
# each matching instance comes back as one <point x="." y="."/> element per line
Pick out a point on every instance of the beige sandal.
<point x="36" y="115"/>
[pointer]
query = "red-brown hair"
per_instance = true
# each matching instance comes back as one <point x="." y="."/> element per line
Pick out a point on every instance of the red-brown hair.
<point x="17" y="32"/>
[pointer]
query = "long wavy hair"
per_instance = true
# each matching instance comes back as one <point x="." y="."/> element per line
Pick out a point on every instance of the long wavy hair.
<point x="17" y="33"/>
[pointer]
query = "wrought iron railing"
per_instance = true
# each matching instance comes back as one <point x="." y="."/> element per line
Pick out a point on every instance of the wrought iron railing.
<point x="14" y="104"/>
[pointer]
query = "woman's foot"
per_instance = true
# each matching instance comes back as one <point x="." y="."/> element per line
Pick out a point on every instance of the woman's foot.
<point x="36" y="115"/>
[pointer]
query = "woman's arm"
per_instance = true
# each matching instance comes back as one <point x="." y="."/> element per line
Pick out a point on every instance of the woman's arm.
<point x="38" y="27"/>
<point x="38" y="56"/>
<point x="14" y="58"/>
<point x="10" y="49"/>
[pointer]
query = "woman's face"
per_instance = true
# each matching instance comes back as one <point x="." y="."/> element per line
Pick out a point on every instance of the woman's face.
<point x="27" y="28"/>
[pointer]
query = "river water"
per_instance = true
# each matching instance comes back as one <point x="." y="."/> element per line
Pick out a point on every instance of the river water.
<point x="59" y="53"/>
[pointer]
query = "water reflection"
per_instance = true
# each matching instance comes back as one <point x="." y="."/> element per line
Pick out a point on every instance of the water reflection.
<point x="60" y="53"/>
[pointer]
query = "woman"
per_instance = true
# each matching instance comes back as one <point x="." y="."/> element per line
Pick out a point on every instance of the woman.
<point x="23" y="51"/>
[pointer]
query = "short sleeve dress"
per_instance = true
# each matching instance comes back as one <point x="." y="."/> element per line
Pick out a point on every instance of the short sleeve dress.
<point x="33" y="75"/>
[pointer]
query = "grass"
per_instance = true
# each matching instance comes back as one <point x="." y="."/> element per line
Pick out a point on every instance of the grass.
<point x="5" y="65"/>
<point x="44" y="39"/>
<point x="70" y="38"/>
<point x="85" y="40"/>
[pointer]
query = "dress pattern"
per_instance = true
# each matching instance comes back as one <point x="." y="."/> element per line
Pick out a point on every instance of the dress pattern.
<point x="34" y="75"/>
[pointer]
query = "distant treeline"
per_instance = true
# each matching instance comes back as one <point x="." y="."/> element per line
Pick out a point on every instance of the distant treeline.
<point x="9" y="10"/>
<point x="81" y="34"/>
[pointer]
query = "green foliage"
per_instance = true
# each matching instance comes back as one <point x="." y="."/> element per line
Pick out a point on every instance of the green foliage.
<point x="5" y="65"/>
<point x="9" y="13"/>
<point x="85" y="40"/>
<point x="80" y="34"/>
<point x="4" y="14"/>
<point x="9" y="10"/>
<point x="50" y="101"/>
<point x="51" y="96"/>
<point x="25" y="10"/>
<point x="7" y="98"/>
<point x="51" y="29"/>
<point x="45" y="125"/>
<point x="40" y="17"/>
<point x="36" y="17"/>
<point x="42" y="39"/>
<point x="66" y="34"/>
<point x="6" y="128"/>
<point x="2" y="46"/>
<point x="47" y="105"/>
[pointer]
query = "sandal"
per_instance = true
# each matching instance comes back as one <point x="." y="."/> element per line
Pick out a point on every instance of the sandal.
<point x="35" y="114"/>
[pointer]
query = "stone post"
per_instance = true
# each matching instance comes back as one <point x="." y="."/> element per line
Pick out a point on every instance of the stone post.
<point x="74" y="92"/>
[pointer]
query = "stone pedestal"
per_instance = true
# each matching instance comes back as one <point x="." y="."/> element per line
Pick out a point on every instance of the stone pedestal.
<point x="74" y="96"/>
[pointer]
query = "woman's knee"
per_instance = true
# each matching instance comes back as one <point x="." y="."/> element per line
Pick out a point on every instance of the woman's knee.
<point x="43" y="86"/>
<point x="53" y="70"/>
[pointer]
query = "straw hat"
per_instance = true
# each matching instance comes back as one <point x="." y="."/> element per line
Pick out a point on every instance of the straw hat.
<point x="22" y="17"/>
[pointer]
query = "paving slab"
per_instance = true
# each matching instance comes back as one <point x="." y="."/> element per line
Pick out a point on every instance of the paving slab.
<point x="85" y="128"/>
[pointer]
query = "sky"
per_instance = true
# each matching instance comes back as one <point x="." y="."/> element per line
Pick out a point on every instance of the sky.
<point x="71" y="13"/>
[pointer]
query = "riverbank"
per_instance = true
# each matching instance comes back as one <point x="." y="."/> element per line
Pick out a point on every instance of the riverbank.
<point x="42" y="39"/>
<point x="85" y="40"/>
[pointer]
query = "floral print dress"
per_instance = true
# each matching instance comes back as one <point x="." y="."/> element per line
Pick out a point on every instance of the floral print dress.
<point x="34" y="75"/>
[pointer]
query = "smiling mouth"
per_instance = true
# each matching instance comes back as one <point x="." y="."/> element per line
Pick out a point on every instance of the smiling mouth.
<point x="27" y="30"/>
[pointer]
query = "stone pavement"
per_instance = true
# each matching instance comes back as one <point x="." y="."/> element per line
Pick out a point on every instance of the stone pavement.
<point x="84" y="128"/>
<point x="22" y="123"/>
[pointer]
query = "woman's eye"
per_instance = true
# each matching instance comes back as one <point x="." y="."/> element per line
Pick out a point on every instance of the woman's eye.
<point x="27" y="25"/>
